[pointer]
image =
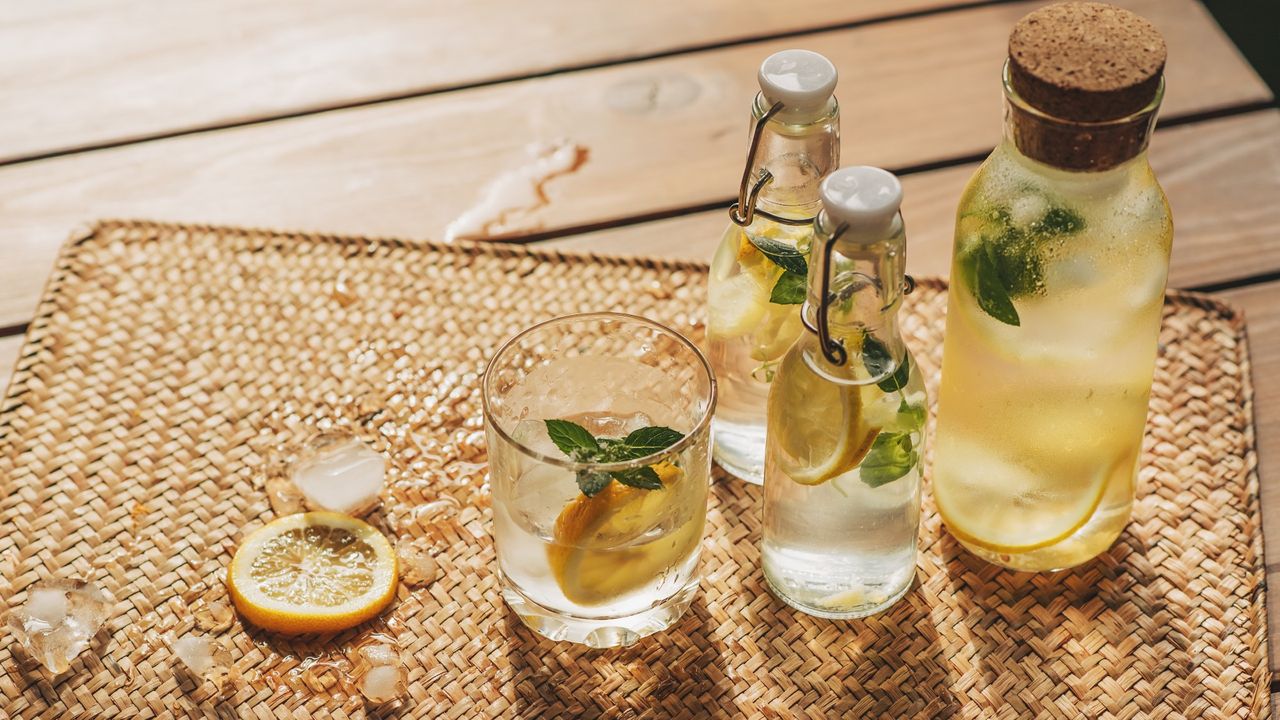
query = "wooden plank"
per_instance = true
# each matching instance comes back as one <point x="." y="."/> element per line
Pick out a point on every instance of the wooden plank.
<point x="1261" y="305"/>
<point x="1222" y="178"/>
<point x="80" y="72"/>
<point x="658" y="135"/>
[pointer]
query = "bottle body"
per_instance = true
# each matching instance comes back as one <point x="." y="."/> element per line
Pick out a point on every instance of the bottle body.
<point x="846" y="446"/>
<point x="758" y="274"/>
<point x="845" y="547"/>
<point x="747" y="335"/>
<point x="1057" y="286"/>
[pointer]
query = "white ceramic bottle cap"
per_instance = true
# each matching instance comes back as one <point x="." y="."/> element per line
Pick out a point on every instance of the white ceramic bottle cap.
<point x="799" y="79"/>
<point x="865" y="198"/>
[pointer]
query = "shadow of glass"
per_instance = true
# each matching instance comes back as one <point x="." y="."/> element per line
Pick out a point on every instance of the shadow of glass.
<point x="676" y="673"/>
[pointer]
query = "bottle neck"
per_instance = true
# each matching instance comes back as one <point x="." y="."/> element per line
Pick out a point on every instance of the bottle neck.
<point x="798" y="150"/>
<point x="864" y="293"/>
<point x="1076" y="146"/>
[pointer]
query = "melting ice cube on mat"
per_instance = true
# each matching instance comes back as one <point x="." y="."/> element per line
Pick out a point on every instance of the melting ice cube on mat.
<point x="417" y="567"/>
<point x="381" y="684"/>
<point x="382" y="679"/>
<point x="380" y="654"/>
<point x="206" y="659"/>
<point x="213" y="615"/>
<point x="340" y="474"/>
<point x="59" y="620"/>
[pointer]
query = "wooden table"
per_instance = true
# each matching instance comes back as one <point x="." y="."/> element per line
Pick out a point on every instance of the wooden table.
<point x="391" y="117"/>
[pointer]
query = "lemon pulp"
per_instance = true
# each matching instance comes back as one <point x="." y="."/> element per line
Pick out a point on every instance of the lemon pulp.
<point x="602" y="548"/>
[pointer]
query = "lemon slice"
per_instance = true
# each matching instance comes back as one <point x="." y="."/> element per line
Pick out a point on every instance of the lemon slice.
<point x="600" y="550"/>
<point x="734" y="306"/>
<point x="779" y="328"/>
<point x="824" y="433"/>
<point x="999" y="508"/>
<point x="317" y="572"/>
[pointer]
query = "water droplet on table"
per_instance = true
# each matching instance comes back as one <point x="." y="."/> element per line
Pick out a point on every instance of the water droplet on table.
<point x="516" y="193"/>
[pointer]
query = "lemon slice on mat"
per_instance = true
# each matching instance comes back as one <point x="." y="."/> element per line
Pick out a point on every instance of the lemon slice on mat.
<point x="827" y="435"/>
<point x="598" y="552"/>
<point x="317" y="572"/>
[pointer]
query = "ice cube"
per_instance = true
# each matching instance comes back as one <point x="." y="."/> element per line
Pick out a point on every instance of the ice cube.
<point x="340" y="474"/>
<point x="213" y="615"/>
<point x="59" y="620"/>
<point x="380" y="654"/>
<point x="284" y="496"/>
<point x="207" y="660"/>
<point x="381" y="684"/>
<point x="417" y="567"/>
<point x="1027" y="209"/>
<point x="533" y="435"/>
<point x="194" y="652"/>
<point x="47" y="605"/>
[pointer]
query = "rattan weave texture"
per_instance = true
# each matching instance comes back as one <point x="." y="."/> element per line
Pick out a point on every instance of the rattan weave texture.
<point x="171" y="368"/>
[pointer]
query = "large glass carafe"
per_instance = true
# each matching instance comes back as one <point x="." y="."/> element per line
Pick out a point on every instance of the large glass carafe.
<point x="1057" y="283"/>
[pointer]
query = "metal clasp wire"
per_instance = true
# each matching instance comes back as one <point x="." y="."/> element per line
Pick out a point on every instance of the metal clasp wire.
<point x="833" y="350"/>
<point x="744" y="210"/>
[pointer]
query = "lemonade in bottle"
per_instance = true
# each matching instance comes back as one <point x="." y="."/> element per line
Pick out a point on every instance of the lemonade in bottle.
<point x="757" y="279"/>
<point x="846" y="417"/>
<point x="1057" y="283"/>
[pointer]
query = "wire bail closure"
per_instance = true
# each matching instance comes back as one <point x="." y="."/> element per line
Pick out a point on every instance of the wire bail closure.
<point x="743" y="212"/>
<point x="833" y="350"/>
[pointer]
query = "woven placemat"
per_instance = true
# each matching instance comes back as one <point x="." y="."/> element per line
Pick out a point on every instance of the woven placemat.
<point x="170" y="368"/>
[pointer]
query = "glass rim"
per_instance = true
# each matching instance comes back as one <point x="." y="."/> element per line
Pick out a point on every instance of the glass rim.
<point x="701" y="425"/>
<point x="1010" y="94"/>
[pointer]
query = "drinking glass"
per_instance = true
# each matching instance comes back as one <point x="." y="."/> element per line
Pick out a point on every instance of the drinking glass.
<point x="598" y="428"/>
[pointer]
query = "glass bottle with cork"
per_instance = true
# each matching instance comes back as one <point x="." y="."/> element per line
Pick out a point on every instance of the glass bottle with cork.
<point x="847" y="414"/>
<point x="757" y="279"/>
<point x="1057" y="283"/>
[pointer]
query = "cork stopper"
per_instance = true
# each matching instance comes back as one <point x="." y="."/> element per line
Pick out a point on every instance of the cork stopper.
<point x="1086" y="61"/>
<point x="1078" y="63"/>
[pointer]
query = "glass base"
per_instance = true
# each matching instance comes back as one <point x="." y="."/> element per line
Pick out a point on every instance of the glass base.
<point x="598" y="632"/>
<point x="1090" y="541"/>
<point x="739" y="450"/>
<point x="860" y="612"/>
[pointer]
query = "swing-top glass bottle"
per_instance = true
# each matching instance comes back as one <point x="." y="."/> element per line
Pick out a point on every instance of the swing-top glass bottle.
<point x="847" y="416"/>
<point x="757" y="279"/>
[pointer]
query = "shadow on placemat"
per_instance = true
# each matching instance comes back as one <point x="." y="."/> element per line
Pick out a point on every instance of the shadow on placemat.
<point x="170" y="367"/>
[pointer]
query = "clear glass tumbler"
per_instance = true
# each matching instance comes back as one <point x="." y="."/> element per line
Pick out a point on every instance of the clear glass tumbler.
<point x="598" y="428"/>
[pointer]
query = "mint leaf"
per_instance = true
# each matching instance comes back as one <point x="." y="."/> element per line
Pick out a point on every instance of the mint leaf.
<point x="988" y="290"/>
<point x="572" y="439"/>
<point x="591" y="483"/>
<point x="875" y="356"/>
<point x="891" y="457"/>
<point x="644" y="478"/>
<point x="914" y="414"/>
<point x="1060" y="221"/>
<point x="647" y="441"/>
<point x="783" y="255"/>
<point x="898" y="380"/>
<point x="790" y="289"/>
<point x="579" y="444"/>
<point x="1018" y="263"/>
